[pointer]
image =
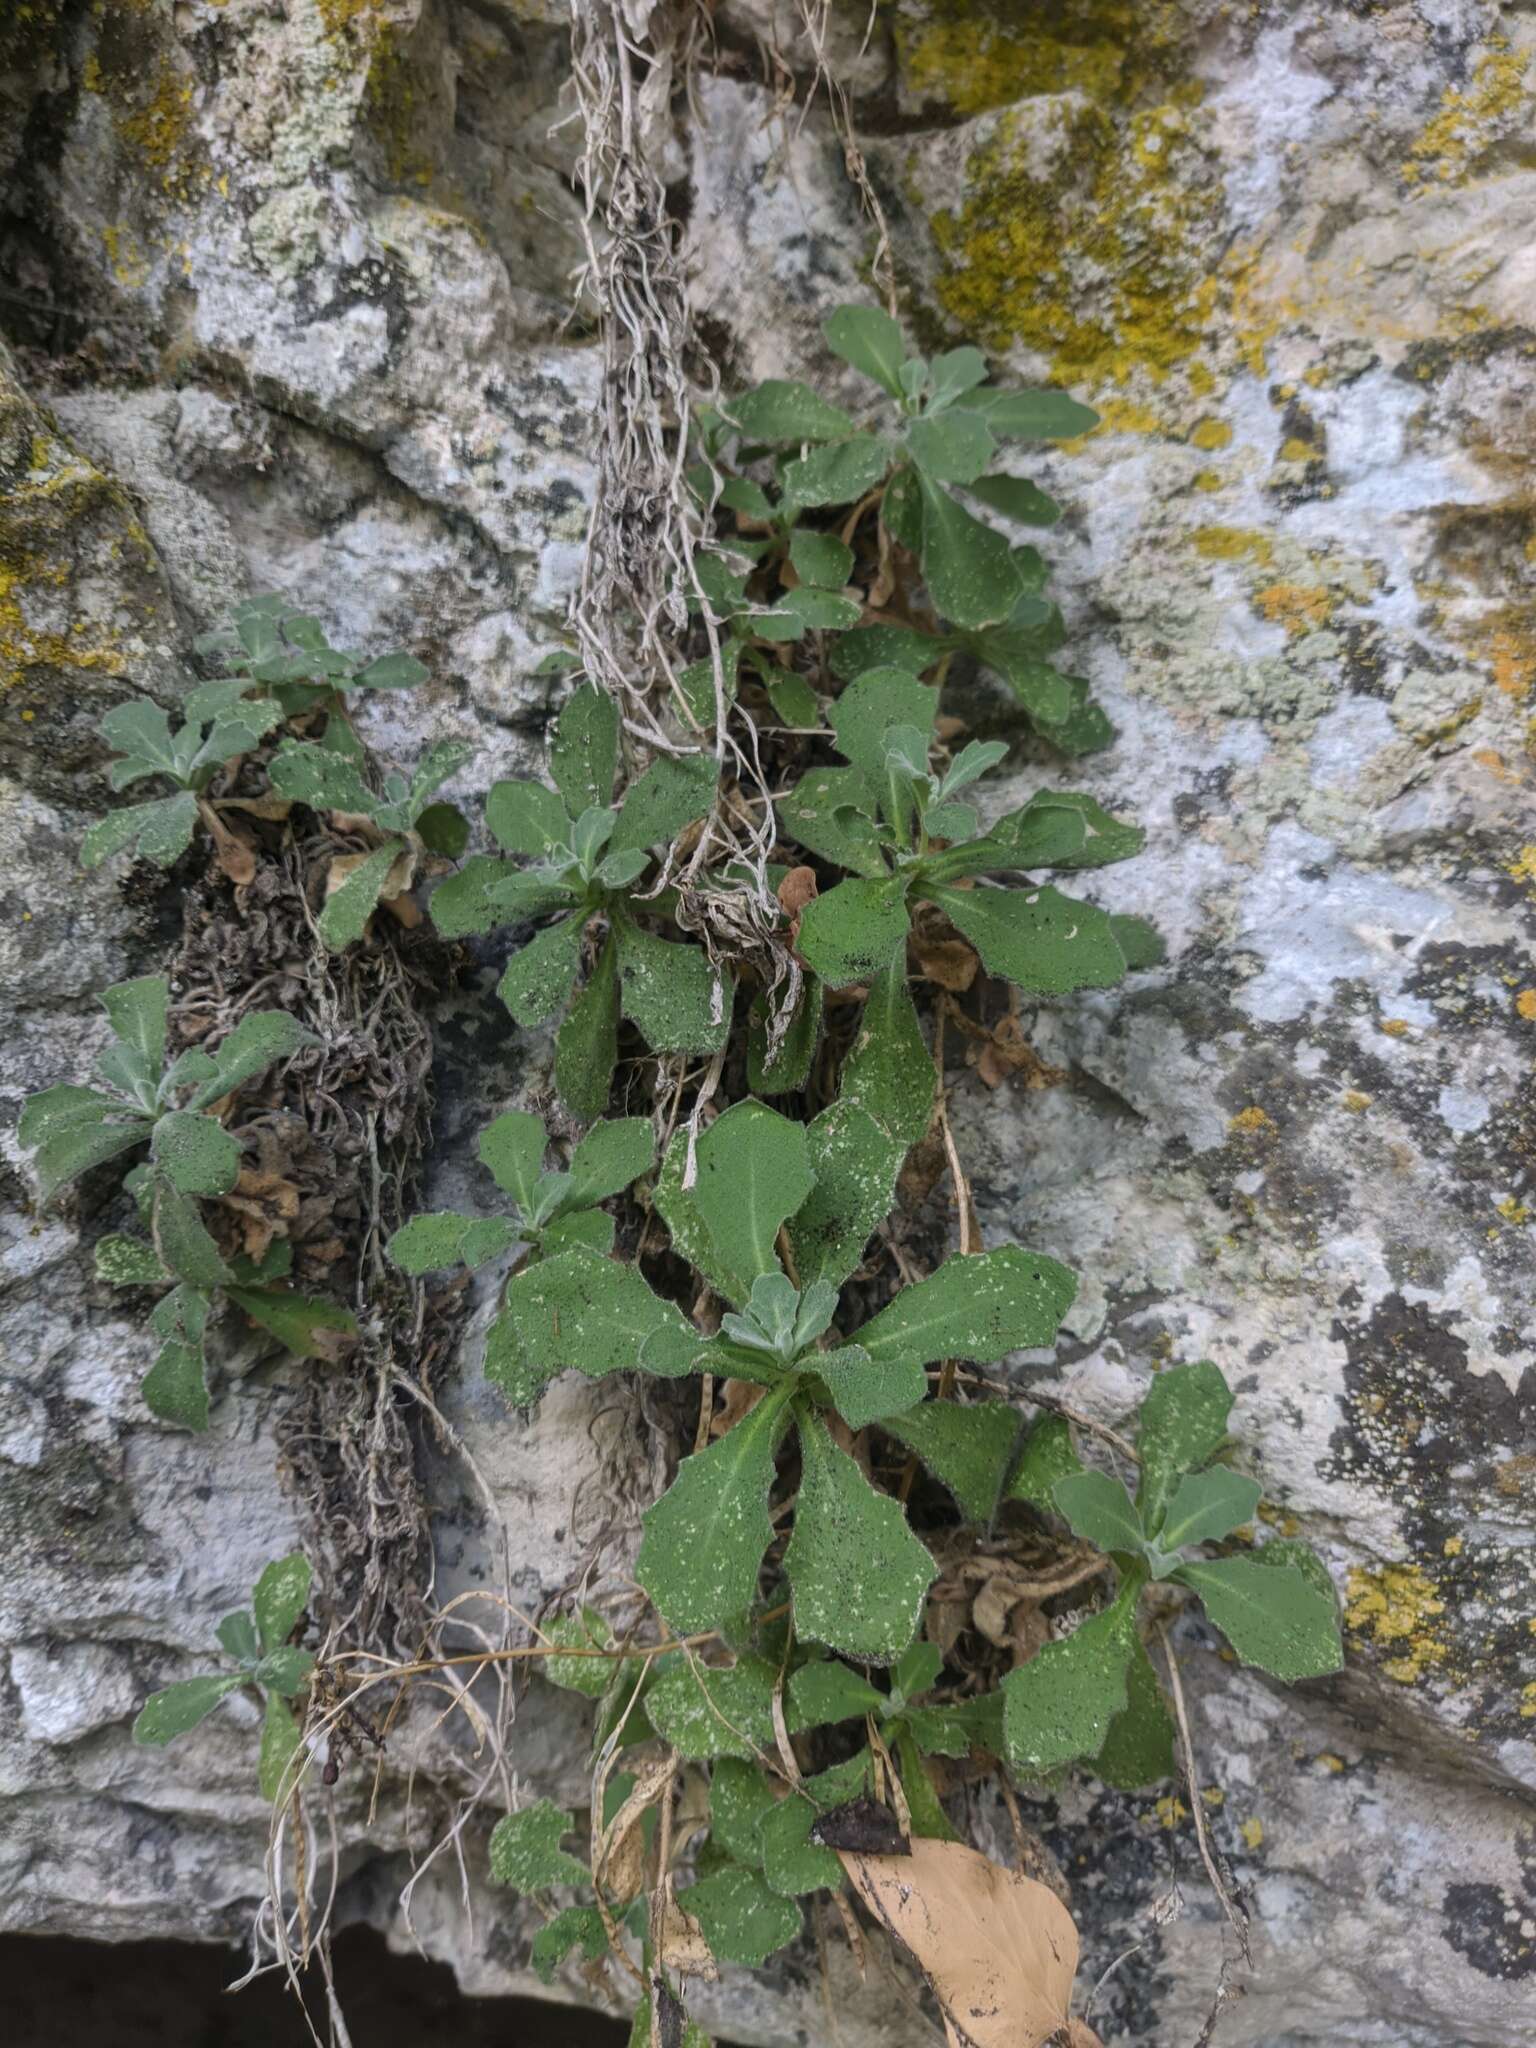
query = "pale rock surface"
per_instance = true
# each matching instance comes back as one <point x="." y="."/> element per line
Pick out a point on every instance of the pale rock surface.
<point x="308" y="274"/>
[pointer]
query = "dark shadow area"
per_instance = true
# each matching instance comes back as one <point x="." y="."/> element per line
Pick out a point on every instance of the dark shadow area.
<point x="167" y="1994"/>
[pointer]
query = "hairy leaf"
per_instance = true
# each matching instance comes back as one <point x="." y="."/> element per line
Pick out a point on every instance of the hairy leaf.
<point x="781" y="409"/>
<point x="280" y="1597"/>
<point x="165" y="1715"/>
<point x="979" y="1307"/>
<point x="705" y="1538"/>
<point x="1280" y="1615"/>
<point x="538" y="977"/>
<point x="829" y="812"/>
<point x="349" y="906"/>
<point x="739" y="1796"/>
<point x="872" y="703"/>
<point x="1034" y="415"/>
<point x="791" y="1063"/>
<point x="792" y="1863"/>
<point x="828" y="1691"/>
<point x="840" y="473"/>
<point x="864" y="1390"/>
<point x="1061" y="1704"/>
<point x="296" y="1320"/>
<point x="576" y="1927"/>
<point x="857" y="1572"/>
<point x="1099" y="1510"/>
<point x="672" y="793"/>
<point x="1016" y="498"/>
<point x="753" y="1174"/>
<point x="584" y="756"/>
<point x="743" y="1921"/>
<point x="706" y="1712"/>
<point x="512" y="1148"/>
<point x="526" y="1852"/>
<point x="1207" y="1506"/>
<point x="855" y="1162"/>
<point x="181" y="1240"/>
<point x="950" y="447"/>
<point x="887" y="1070"/>
<point x="1183" y="1425"/>
<point x="174" y="1388"/>
<point x="259" y="1041"/>
<point x="584" y="1313"/>
<point x="197" y="1154"/>
<point x="820" y="559"/>
<point x="162" y="829"/>
<point x="968" y="1449"/>
<point x="608" y="1158"/>
<point x="855" y="931"/>
<point x="1138" y="1750"/>
<point x="525" y="817"/>
<point x="279" y="1746"/>
<point x="584" y="1630"/>
<point x="1048" y="1455"/>
<point x="968" y="567"/>
<point x="680" y="1002"/>
<point x="587" y="1048"/>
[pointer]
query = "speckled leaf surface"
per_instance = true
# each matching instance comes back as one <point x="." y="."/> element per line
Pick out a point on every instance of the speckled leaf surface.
<point x="978" y="1307"/>
<point x="857" y="1572"/>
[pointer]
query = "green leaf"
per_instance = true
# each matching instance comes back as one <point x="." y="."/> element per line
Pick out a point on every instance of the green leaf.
<point x="165" y="1715"/>
<point x="238" y="1639"/>
<point x="680" y="1002"/>
<point x="1042" y="941"/>
<point x="670" y="795"/>
<point x="584" y="1313"/>
<point x="953" y="374"/>
<point x="1065" y="829"/>
<point x="180" y="1239"/>
<point x="525" y="817"/>
<point x="487" y="892"/>
<point x="705" y="1538"/>
<point x="1138" y="1750"/>
<point x="587" y="1047"/>
<point x="792" y="698"/>
<point x="743" y="1921"/>
<point x="391" y="672"/>
<point x="1281" y="1616"/>
<point x="828" y="1691"/>
<point x="326" y="781"/>
<point x="841" y="473"/>
<point x="349" y="907"/>
<point x="1016" y="499"/>
<point x="294" y="1319"/>
<point x="872" y="703"/>
<point x="1140" y="943"/>
<point x="792" y="1863"/>
<point x="197" y="1154"/>
<point x="783" y="410"/>
<point x="739" y="1796"/>
<point x="707" y="1712"/>
<point x="72" y="1147"/>
<point x="538" y="977"/>
<point x="163" y="830"/>
<point x="871" y="341"/>
<point x="968" y="1449"/>
<point x="508" y="1366"/>
<point x="928" y="1816"/>
<point x="855" y="1163"/>
<point x="284" y="1669"/>
<point x="584" y="1630"/>
<point x="443" y="1238"/>
<point x="259" y="1041"/>
<point x="855" y="931"/>
<point x="576" y="1927"/>
<point x="858" y="1574"/>
<point x="1208" y="1506"/>
<point x="174" y="1388"/>
<point x="1100" y="1511"/>
<point x="511" y="1148"/>
<point x="280" y="1741"/>
<point x="791" y="1064"/>
<point x="887" y="1070"/>
<point x="444" y="829"/>
<point x="526" y="1851"/>
<point x="1061" y="1704"/>
<point x="280" y="1597"/>
<point x="968" y="567"/>
<point x="753" y="1174"/>
<point x="820" y="559"/>
<point x="584" y="756"/>
<point x="950" y="447"/>
<point x="867" y="647"/>
<point x="829" y="813"/>
<point x="128" y="1262"/>
<point x="608" y="1159"/>
<point x="977" y="1307"/>
<point x="691" y="1239"/>
<point x="1034" y="415"/>
<point x="864" y="1390"/>
<point x="1183" y="1425"/>
<point x="136" y="1011"/>
<point x="1048" y="1455"/>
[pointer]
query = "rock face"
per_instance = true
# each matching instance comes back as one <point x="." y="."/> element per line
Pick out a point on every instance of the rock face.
<point x="287" y="286"/>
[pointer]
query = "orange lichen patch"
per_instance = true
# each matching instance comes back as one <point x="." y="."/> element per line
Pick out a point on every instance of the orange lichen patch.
<point x="1510" y="653"/>
<point x="1334" y="1765"/>
<point x="1252" y="1119"/>
<point x="1397" y="1610"/>
<point x="1395" y="1027"/>
<point x="1298" y="607"/>
<point x="1525" y="1005"/>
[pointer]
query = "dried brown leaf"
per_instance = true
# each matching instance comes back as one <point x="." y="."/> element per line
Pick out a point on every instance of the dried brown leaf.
<point x="998" y="1948"/>
<point x="683" y="1947"/>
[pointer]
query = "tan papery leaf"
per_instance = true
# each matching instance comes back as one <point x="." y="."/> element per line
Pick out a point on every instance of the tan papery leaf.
<point x="999" y="1949"/>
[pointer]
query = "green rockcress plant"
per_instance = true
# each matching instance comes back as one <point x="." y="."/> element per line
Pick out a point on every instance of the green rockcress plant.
<point x="256" y="1642"/>
<point x="163" y="1104"/>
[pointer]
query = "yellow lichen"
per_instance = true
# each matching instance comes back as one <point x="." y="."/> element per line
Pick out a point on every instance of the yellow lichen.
<point x="1525" y="1005"/>
<point x="1396" y="1610"/>
<point x="1528" y="1701"/>
<point x="1211" y="434"/>
<point x="976" y="54"/>
<point x="1252" y="1119"/>
<point x="1233" y="544"/>
<point x="1206" y="480"/>
<point x="1523" y="867"/>
<point x="1296" y="450"/>
<point x="1334" y="1765"/>
<point x="1453" y="1546"/>
<point x="1171" y="1811"/>
<point x="1352" y="1099"/>
<point x="1510" y="653"/>
<point x="1252" y="1832"/>
<point x="1395" y="1027"/>
<point x="1469" y="122"/>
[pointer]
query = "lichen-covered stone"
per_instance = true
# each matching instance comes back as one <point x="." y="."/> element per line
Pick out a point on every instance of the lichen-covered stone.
<point x="309" y="272"/>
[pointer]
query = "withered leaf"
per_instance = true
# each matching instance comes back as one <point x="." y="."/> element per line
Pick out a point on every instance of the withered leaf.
<point x="860" y="1826"/>
<point x="999" y="1949"/>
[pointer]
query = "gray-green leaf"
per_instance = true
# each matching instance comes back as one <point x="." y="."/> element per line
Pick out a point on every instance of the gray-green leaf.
<point x="978" y="1307"/>
<point x="887" y="1070"/>
<point x="743" y="1921"/>
<point x="1208" y="1506"/>
<point x="349" y="906"/>
<point x="1281" y="1615"/>
<point x="585" y="754"/>
<point x="165" y="1715"/>
<point x="865" y="1390"/>
<point x="1100" y="1511"/>
<point x="968" y="567"/>
<point x="526" y="1852"/>
<point x="855" y="931"/>
<point x="1061" y="1704"/>
<point x="679" y="1000"/>
<point x="280" y="1597"/>
<point x="587" y="1047"/>
<point x="1183" y="1425"/>
<point x="871" y="341"/>
<point x="538" y="977"/>
<point x="753" y="1174"/>
<point x="781" y="409"/>
<point x="968" y="1449"/>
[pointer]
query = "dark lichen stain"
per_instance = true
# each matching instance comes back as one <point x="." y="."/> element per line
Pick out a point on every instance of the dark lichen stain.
<point x="1494" y="1929"/>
